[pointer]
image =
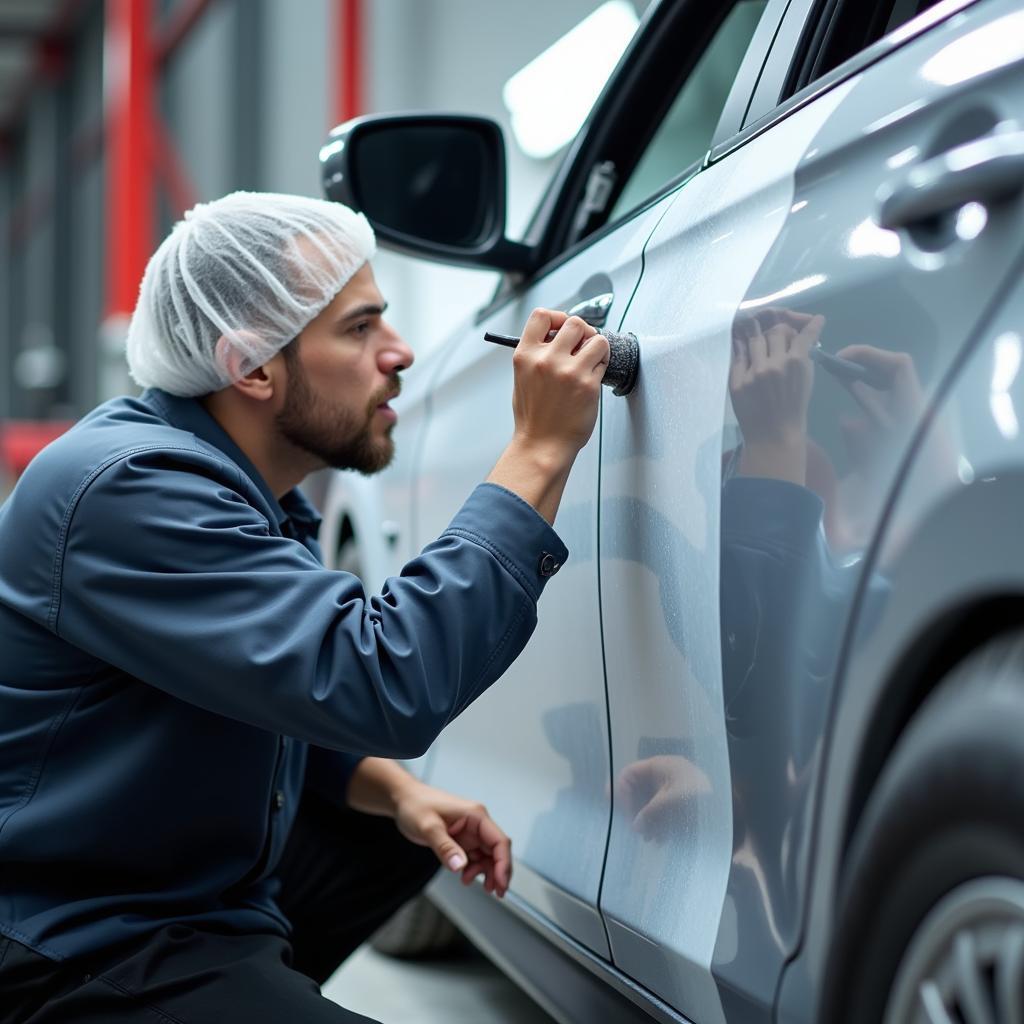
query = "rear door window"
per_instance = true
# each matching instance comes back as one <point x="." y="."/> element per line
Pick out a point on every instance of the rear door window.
<point x="655" y="122"/>
<point x="843" y="29"/>
<point x="684" y="135"/>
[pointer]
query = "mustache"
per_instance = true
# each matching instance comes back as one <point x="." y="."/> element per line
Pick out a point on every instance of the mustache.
<point x="391" y="390"/>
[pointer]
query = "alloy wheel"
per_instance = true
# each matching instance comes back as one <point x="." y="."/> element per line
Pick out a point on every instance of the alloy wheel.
<point x="965" y="962"/>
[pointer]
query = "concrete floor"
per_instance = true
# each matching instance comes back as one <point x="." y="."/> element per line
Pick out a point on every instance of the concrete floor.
<point x="465" y="990"/>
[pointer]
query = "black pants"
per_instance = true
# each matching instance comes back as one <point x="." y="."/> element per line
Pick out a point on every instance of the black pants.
<point x="342" y="873"/>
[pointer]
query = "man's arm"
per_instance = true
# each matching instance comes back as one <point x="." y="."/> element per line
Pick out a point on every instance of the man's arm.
<point x="168" y="572"/>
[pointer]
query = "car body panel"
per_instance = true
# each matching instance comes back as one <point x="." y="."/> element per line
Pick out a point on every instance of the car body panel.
<point x="536" y="746"/>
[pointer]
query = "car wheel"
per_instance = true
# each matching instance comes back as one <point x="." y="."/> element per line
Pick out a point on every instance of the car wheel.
<point x="418" y="929"/>
<point x="931" y="926"/>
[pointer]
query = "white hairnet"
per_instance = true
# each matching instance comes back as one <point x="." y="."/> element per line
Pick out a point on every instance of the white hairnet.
<point x="252" y="269"/>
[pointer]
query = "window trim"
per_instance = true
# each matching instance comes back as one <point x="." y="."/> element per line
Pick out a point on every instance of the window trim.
<point x="804" y="15"/>
<point x="744" y="86"/>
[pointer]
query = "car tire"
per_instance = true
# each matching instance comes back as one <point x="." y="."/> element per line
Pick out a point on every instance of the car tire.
<point x="931" y="922"/>
<point x="417" y="930"/>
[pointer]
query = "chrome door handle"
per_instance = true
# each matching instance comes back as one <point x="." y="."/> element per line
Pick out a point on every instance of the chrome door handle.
<point x="985" y="170"/>
<point x="595" y="309"/>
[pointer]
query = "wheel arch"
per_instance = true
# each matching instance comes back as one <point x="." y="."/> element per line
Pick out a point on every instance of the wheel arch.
<point x="951" y="636"/>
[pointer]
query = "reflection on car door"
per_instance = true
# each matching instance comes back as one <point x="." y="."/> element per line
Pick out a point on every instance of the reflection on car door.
<point x="898" y="278"/>
<point x="672" y="835"/>
<point x="724" y="609"/>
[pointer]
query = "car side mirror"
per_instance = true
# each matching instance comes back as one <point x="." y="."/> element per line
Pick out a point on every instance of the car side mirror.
<point x="431" y="185"/>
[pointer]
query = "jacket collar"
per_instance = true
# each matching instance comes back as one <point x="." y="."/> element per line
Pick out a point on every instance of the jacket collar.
<point x="189" y="414"/>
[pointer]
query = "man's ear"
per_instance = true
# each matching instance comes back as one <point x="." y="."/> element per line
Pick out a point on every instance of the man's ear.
<point x="258" y="383"/>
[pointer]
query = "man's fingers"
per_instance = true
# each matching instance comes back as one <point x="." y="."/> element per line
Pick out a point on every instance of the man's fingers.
<point x="778" y="339"/>
<point x="501" y="856"/>
<point x="573" y="331"/>
<point x="471" y="872"/>
<point x="809" y="335"/>
<point x="790" y="316"/>
<point x="446" y="849"/>
<point x="540" y="323"/>
<point x="599" y="351"/>
<point x="499" y="846"/>
<point x="490" y="854"/>
<point x="757" y="349"/>
<point x="585" y="341"/>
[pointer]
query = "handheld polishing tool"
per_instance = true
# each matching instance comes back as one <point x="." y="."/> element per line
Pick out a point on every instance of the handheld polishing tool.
<point x="623" y="358"/>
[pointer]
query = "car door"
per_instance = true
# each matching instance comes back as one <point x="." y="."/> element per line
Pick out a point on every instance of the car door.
<point x="724" y="609"/>
<point x="536" y="745"/>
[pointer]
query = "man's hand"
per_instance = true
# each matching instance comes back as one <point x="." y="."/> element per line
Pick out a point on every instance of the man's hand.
<point x="460" y="832"/>
<point x="770" y="382"/>
<point x="555" y="403"/>
<point x="557" y="381"/>
<point x="659" y="794"/>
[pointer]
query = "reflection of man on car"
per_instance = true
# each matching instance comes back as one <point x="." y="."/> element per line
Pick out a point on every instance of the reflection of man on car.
<point x="785" y="584"/>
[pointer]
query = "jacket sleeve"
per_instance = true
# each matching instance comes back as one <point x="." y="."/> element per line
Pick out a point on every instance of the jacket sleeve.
<point x="168" y="573"/>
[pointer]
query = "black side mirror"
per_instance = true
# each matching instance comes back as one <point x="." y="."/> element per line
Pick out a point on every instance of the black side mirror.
<point x="431" y="185"/>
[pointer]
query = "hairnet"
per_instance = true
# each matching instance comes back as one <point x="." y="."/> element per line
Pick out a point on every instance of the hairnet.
<point x="234" y="282"/>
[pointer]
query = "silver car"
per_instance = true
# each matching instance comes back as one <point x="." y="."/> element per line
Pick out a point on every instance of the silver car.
<point x="763" y="759"/>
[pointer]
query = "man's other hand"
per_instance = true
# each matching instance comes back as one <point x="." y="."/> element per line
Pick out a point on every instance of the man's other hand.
<point x="460" y="832"/>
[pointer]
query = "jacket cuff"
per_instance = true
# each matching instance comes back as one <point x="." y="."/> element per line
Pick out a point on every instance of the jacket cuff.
<point x="514" y="532"/>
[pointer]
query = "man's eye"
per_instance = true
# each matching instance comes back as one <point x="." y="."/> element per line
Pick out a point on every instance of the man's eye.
<point x="361" y="329"/>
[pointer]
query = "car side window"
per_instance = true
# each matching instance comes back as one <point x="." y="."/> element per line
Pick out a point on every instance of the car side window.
<point x="685" y="133"/>
<point x="843" y="29"/>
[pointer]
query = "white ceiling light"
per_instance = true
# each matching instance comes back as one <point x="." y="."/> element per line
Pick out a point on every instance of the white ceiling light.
<point x="550" y="98"/>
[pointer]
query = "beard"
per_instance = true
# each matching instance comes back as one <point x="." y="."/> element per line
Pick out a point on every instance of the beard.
<point x="340" y="438"/>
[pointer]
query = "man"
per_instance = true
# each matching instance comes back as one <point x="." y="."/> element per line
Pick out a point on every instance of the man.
<point x="188" y="698"/>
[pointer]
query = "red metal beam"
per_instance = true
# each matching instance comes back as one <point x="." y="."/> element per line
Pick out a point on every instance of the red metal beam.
<point x="347" y="61"/>
<point x="130" y="105"/>
<point x="87" y="145"/>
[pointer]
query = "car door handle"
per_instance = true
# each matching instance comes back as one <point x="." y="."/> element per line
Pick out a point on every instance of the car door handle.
<point x="984" y="170"/>
<point x="595" y="309"/>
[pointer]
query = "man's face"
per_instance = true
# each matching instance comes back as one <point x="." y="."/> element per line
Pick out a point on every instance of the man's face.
<point x="342" y="371"/>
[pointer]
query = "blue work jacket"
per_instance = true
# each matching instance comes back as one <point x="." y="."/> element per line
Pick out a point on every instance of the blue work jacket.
<point x="176" y="664"/>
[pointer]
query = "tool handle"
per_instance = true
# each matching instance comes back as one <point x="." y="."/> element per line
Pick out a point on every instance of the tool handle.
<point x="623" y="358"/>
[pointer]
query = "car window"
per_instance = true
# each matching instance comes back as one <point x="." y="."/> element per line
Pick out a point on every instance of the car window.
<point x="684" y="135"/>
<point x="844" y="28"/>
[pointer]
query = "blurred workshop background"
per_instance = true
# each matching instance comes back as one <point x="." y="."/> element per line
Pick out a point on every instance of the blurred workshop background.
<point x="118" y="115"/>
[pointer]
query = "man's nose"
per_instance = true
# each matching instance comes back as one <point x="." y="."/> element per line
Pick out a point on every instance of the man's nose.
<point x="396" y="355"/>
